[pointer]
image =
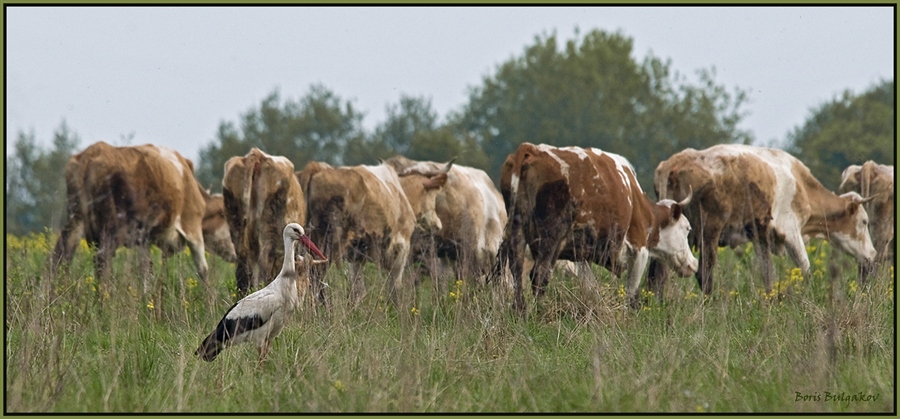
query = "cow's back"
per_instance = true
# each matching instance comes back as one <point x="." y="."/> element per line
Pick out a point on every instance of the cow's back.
<point x="471" y="209"/>
<point x="732" y="185"/>
<point x="261" y="195"/>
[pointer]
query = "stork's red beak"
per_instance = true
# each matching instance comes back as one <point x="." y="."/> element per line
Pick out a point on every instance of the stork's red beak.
<point x="312" y="246"/>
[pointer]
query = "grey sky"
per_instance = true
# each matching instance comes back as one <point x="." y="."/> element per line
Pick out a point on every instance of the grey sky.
<point x="170" y="75"/>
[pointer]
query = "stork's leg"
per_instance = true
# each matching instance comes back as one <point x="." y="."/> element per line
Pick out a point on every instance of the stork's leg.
<point x="263" y="351"/>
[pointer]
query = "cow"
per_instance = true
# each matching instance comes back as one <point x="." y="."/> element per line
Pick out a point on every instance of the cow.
<point x="585" y="205"/>
<point x="472" y="214"/>
<point x="745" y="193"/>
<point x="136" y="196"/>
<point x="261" y="197"/>
<point x="876" y="181"/>
<point x="368" y="213"/>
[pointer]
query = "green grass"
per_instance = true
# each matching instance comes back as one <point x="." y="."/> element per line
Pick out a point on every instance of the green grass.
<point x="74" y="344"/>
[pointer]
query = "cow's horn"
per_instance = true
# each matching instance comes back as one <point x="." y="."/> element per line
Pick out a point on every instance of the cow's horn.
<point x="447" y="167"/>
<point x="687" y="199"/>
<point x="864" y="200"/>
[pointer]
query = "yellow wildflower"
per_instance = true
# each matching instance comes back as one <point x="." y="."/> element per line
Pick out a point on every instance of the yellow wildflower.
<point x="853" y="287"/>
<point x="647" y="293"/>
<point x="84" y="245"/>
<point x="338" y="385"/>
<point x="621" y="291"/>
<point x="191" y="283"/>
<point x="414" y="311"/>
<point x="690" y="295"/>
<point x="150" y="305"/>
<point x="733" y="293"/>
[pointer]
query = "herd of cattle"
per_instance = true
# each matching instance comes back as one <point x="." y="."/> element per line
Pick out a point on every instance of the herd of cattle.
<point x="569" y="203"/>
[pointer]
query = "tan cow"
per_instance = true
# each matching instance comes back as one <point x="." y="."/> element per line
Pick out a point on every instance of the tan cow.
<point x="876" y="181"/>
<point x="472" y="214"/>
<point x="261" y="197"/>
<point x="137" y="196"/>
<point x="585" y="205"/>
<point x="368" y="213"/>
<point x="744" y="193"/>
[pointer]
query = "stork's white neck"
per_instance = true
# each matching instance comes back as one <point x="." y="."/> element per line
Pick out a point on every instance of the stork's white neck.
<point x="288" y="265"/>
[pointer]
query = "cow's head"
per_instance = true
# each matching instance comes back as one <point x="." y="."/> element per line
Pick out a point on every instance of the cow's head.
<point x="850" y="229"/>
<point x="672" y="247"/>
<point x="421" y="189"/>
<point x="216" y="236"/>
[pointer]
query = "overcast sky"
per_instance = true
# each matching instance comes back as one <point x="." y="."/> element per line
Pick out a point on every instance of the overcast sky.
<point x="170" y="75"/>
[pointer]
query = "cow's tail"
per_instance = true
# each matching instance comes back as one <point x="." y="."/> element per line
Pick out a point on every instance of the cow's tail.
<point x="505" y="251"/>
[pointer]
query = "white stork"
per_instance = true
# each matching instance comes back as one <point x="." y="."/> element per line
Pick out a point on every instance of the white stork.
<point x="260" y="316"/>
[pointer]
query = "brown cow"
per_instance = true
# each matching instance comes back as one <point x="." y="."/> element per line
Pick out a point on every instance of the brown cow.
<point x="137" y="196"/>
<point x="261" y="197"/>
<point x="876" y="181"/>
<point x="743" y="193"/>
<point x="368" y="213"/>
<point x="472" y="214"/>
<point x="585" y="205"/>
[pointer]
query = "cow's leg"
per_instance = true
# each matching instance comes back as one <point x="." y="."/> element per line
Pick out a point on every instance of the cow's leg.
<point x="265" y="263"/>
<point x="657" y="276"/>
<point x="396" y="263"/>
<point x="515" y="257"/>
<point x="145" y="270"/>
<point x="357" y="285"/>
<point x="637" y="262"/>
<point x="708" y="254"/>
<point x="764" y="262"/>
<point x="198" y="254"/>
<point x="316" y="273"/>
<point x="66" y="245"/>
<point x="796" y="249"/>
<point x="242" y="277"/>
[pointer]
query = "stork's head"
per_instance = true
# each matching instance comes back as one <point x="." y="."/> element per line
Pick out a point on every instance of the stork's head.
<point x="295" y="232"/>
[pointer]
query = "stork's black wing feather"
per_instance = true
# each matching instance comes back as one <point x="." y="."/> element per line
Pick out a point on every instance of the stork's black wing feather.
<point x="225" y="330"/>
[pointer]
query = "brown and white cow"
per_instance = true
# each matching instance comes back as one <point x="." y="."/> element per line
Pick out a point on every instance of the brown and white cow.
<point x="368" y="213"/>
<point x="743" y="193"/>
<point x="135" y="197"/>
<point x="876" y="181"/>
<point x="586" y="205"/>
<point x="472" y="214"/>
<point x="261" y="197"/>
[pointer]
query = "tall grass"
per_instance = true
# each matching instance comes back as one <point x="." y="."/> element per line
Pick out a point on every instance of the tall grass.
<point x="79" y="344"/>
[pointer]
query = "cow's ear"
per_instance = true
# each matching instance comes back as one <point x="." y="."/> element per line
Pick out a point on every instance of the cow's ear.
<point x="672" y="179"/>
<point x="436" y="181"/>
<point x="676" y="211"/>
<point x="852" y="207"/>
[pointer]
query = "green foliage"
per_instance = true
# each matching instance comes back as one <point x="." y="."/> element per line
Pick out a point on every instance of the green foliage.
<point x="593" y="93"/>
<point x="77" y="345"/>
<point x="318" y="126"/>
<point x="412" y="130"/>
<point x="35" y="182"/>
<point x="847" y="130"/>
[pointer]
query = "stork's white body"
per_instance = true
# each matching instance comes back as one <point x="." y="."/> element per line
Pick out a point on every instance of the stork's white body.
<point x="260" y="316"/>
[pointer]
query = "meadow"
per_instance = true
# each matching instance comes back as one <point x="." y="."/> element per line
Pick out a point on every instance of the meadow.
<point x="76" y="344"/>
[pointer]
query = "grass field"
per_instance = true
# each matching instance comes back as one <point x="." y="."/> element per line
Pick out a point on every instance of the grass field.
<point x="74" y="344"/>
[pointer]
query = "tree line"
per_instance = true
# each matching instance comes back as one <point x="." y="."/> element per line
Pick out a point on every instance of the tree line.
<point x="588" y="91"/>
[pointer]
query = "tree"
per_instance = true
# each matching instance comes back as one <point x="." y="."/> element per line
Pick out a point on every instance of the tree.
<point x="319" y="126"/>
<point x="593" y="94"/>
<point x="35" y="182"/>
<point x="412" y="130"/>
<point x="847" y="130"/>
